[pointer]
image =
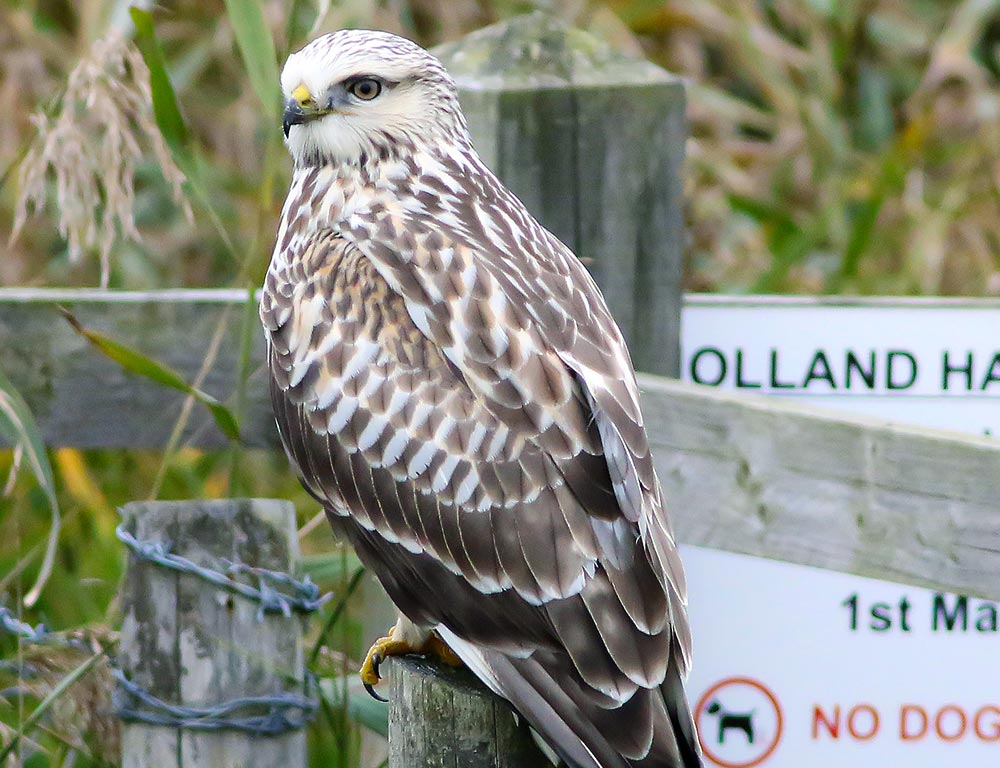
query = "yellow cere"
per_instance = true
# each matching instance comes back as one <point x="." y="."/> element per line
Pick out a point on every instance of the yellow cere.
<point x="301" y="95"/>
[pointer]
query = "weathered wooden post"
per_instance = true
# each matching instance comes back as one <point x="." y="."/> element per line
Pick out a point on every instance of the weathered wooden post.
<point x="199" y="649"/>
<point x="592" y="142"/>
<point x="443" y="717"/>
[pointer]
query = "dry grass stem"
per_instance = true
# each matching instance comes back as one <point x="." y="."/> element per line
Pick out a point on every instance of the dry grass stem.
<point x="93" y="148"/>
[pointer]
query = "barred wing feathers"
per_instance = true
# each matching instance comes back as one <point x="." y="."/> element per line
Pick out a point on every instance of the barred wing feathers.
<point x="461" y="401"/>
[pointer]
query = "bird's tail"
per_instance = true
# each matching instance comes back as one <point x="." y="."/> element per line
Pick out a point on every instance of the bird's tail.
<point x="594" y="738"/>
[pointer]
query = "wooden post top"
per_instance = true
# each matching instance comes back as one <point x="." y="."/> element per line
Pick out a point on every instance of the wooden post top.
<point x="538" y="50"/>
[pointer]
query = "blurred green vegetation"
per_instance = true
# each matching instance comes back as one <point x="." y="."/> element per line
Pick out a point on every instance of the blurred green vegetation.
<point x="839" y="147"/>
<point x="836" y="147"/>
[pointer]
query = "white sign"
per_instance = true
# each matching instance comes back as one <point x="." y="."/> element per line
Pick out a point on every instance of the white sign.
<point x="934" y="362"/>
<point x="801" y="667"/>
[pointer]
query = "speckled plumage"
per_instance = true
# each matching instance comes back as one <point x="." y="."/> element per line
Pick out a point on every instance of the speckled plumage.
<point x="450" y="385"/>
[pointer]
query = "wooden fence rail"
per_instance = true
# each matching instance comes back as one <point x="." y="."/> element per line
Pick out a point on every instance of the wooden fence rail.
<point x="744" y="474"/>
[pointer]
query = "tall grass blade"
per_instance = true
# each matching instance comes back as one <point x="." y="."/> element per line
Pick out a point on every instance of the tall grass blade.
<point x="170" y="121"/>
<point x="19" y="428"/>
<point x="166" y="110"/>
<point x="257" y="48"/>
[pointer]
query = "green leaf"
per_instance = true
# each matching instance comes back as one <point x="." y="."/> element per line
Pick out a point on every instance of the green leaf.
<point x="257" y="48"/>
<point x="329" y="566"/>
<point x="302" y="17"/>
<point x="361" y="707"/>
<point x="138" y="363"/>
<point x="168" y="115"/>
<point x="18" y="427"/>
<point x="366" y="711"/>
<point x="171" y="123"/>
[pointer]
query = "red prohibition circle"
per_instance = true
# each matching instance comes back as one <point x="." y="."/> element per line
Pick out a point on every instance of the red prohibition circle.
<point x="777" y="711"/>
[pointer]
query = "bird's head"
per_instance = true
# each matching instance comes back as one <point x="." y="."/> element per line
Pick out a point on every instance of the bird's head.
<point x="355" y="96"/>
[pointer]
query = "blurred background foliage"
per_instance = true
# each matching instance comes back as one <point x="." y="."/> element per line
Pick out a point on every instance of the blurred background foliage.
<point x="837" y="146"/>
<point x="849" y="146"/>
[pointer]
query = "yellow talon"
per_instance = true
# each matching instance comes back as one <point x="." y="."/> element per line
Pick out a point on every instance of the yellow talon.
<point x="440" y="650"/>
<point x="380" y="650"/>
<point x="388" y="646"/>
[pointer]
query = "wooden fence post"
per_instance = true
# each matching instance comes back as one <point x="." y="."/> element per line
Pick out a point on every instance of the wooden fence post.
<point x="444" y="718"/>
<point x="187" y="642"/>
<point x="593" y="142"/>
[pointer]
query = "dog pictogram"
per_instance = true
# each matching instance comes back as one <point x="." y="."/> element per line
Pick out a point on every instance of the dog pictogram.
<point x="740" y="721"/>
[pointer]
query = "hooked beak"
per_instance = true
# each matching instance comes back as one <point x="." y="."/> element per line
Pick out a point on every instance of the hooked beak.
<point x="300" y="108"/>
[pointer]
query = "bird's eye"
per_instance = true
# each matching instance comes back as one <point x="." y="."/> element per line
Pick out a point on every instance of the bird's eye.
<point x="366" y="89"/>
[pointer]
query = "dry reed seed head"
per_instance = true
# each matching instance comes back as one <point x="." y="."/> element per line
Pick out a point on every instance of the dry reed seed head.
<point x="93" y="148"/>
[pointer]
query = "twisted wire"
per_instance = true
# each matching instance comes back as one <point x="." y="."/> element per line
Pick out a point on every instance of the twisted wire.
<point x="303" y="596"/>
<point x="270" y="715"/>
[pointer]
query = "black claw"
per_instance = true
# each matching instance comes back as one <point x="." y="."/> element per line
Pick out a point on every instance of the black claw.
<point x="373" y="694"/>
<point x="376" y="661"/>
